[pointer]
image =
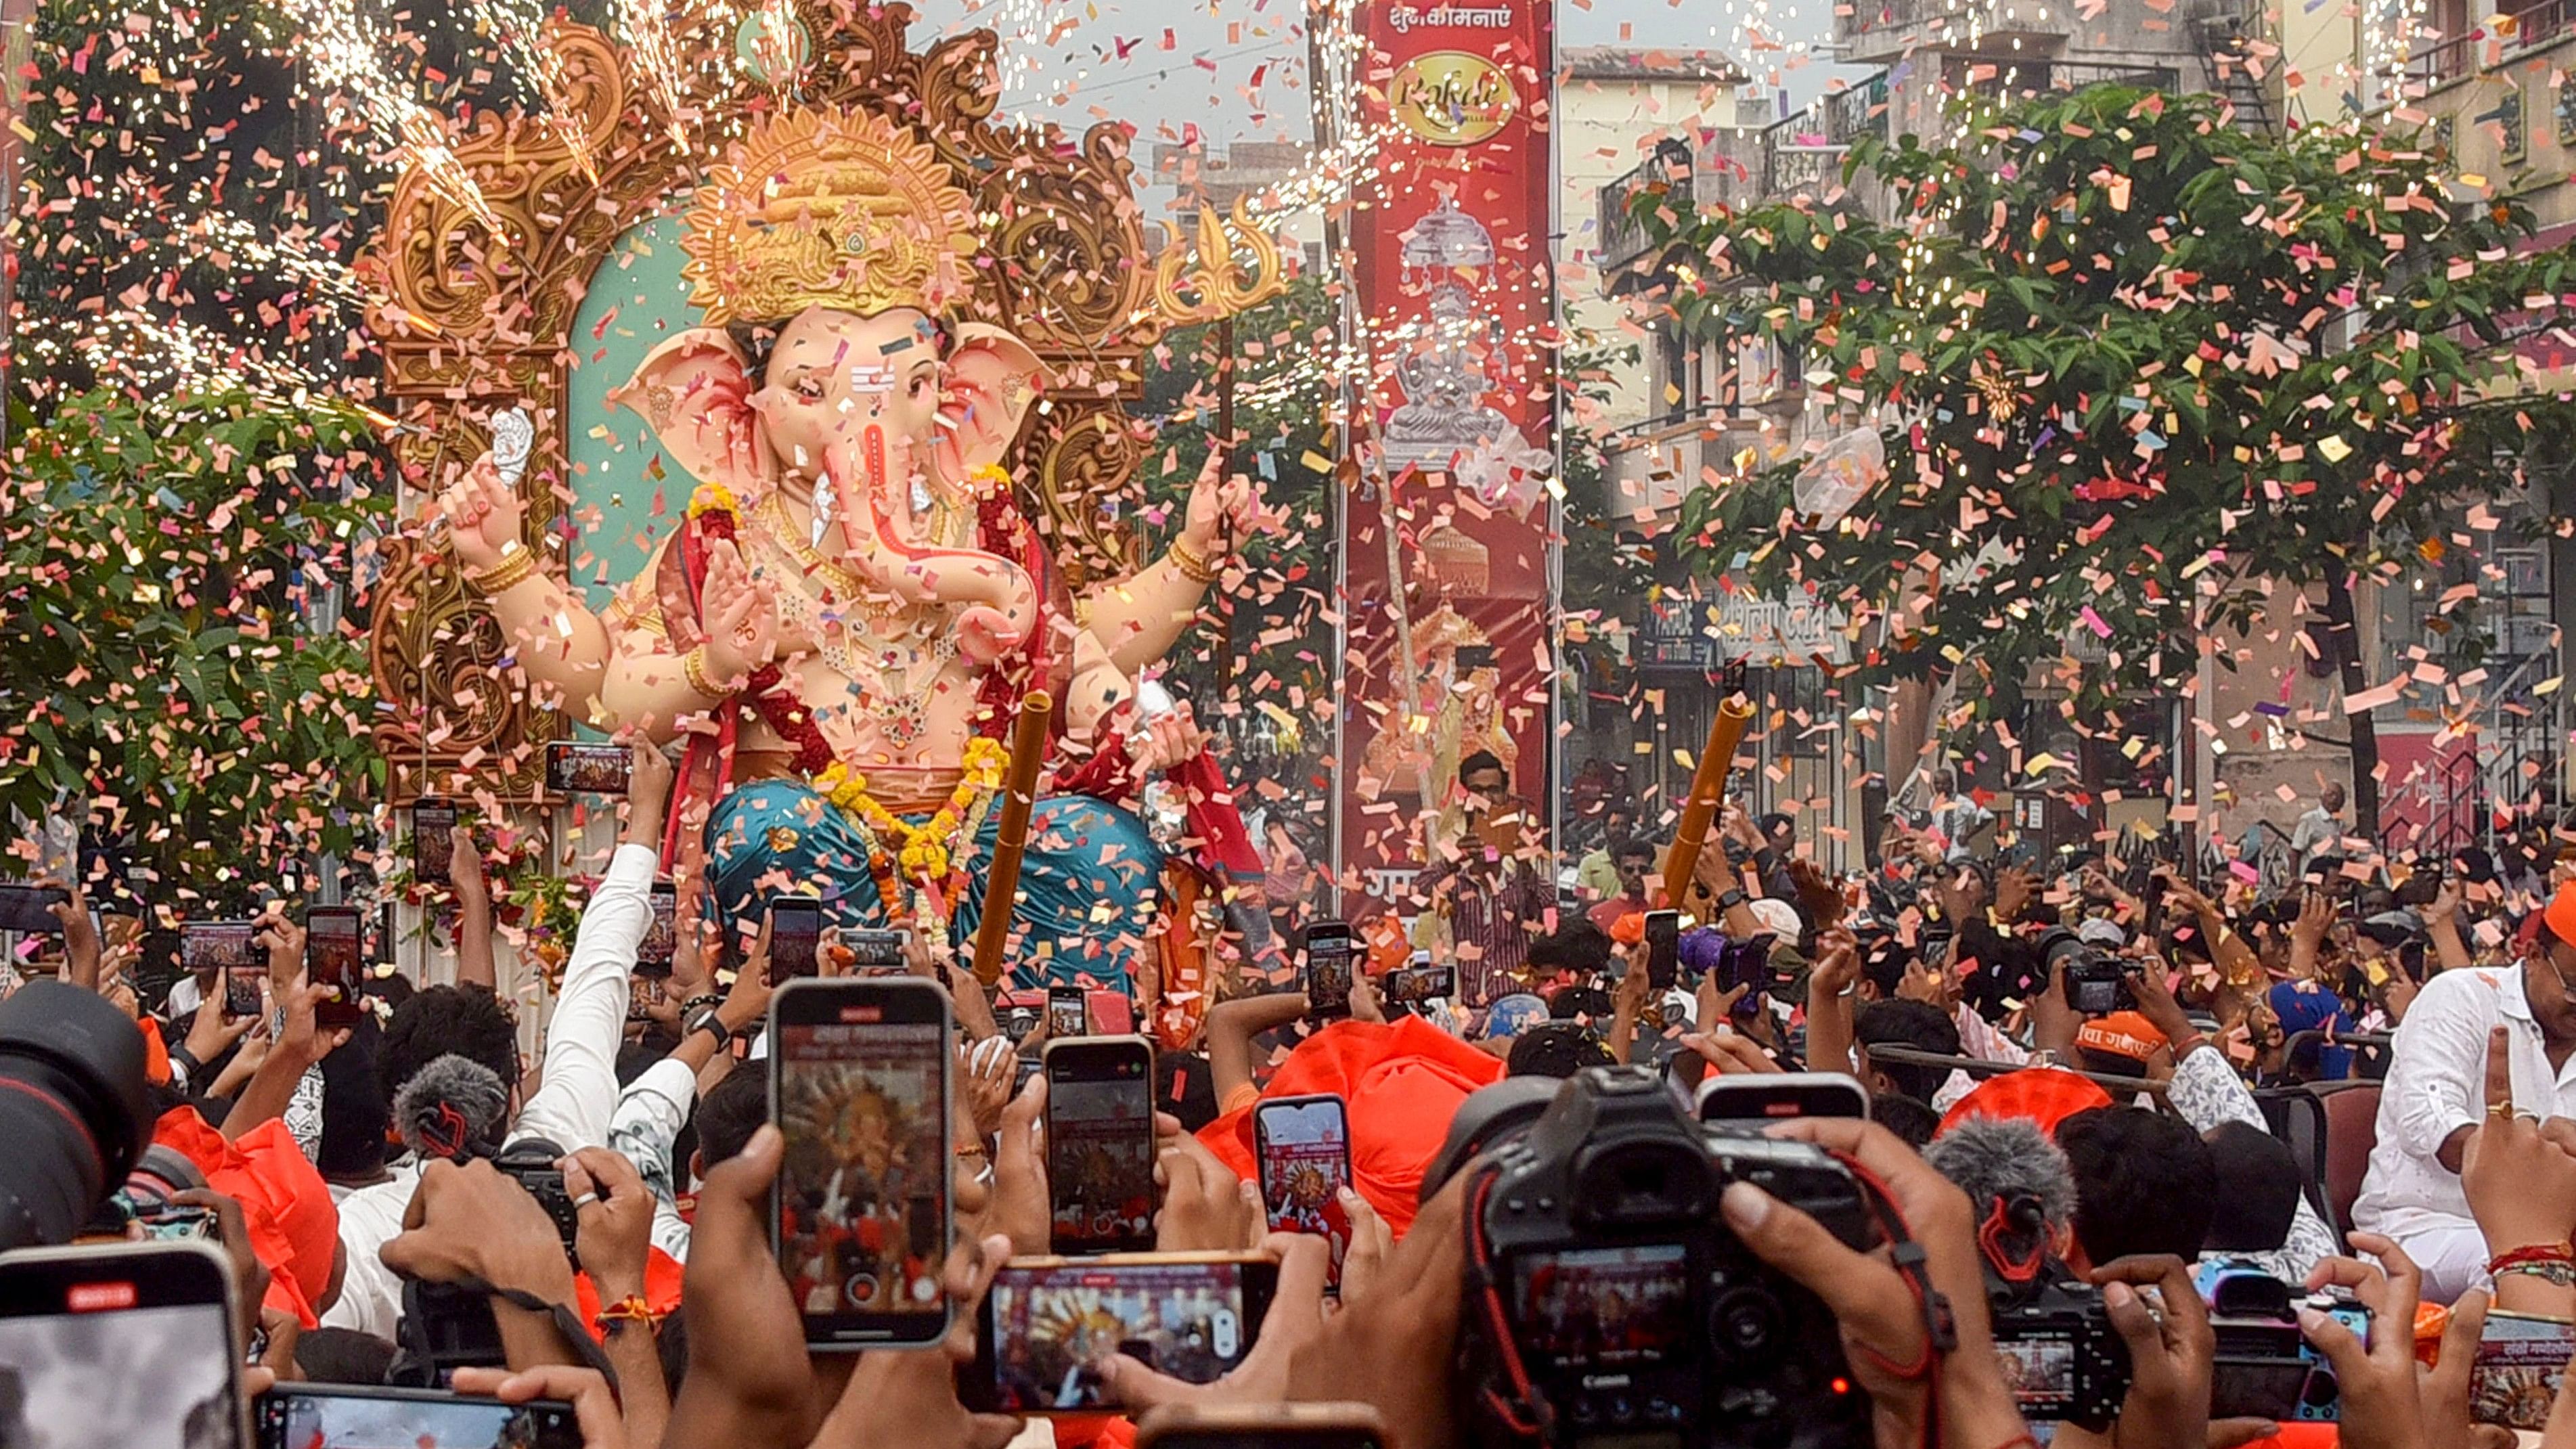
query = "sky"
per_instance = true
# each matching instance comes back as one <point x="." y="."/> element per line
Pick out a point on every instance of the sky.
<point x="1233" y="68"/>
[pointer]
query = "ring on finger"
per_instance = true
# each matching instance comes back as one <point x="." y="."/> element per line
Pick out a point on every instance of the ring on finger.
<point x="585" y="1200"/>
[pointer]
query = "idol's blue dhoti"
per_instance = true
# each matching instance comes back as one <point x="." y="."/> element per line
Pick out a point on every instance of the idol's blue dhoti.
<point x="1089" y="885"/>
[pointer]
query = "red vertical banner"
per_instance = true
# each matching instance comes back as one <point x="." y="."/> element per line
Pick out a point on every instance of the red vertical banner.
<point x="1448" y="512"/>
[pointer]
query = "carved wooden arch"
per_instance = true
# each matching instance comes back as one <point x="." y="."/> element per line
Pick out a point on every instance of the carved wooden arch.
<point x="470" y="325"/>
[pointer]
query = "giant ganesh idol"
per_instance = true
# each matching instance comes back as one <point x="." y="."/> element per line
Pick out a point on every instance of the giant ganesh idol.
<point x="845" y="625"/>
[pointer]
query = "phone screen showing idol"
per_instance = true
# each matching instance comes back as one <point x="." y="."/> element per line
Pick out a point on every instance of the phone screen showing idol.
<point x="1050" y="1323"/>
<point x="859" y="1088"/>
<point x="335" y="955"/>
<point x="1328" y="970"/>
<point x="1304" y="1147"/>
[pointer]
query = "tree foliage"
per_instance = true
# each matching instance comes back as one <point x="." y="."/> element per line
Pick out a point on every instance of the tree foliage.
<point x="157" y="568"/>
<point x="2133" y="369"/>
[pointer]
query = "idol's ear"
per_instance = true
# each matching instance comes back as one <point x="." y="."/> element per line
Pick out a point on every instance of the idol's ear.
<point x="991" y="378"/>
<point x="695" y="390"/>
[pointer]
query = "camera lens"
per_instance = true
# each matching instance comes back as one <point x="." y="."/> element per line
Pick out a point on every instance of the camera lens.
<point x="1744" y="1322"/>
<point x="72" y="1109"/>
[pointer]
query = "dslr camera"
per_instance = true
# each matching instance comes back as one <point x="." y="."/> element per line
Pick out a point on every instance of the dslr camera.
<point x="1609" y="1304"/>
<point x="2061" y="1356"/>
<point x="2264" y="1368"/>
<point x="2097" y="982"/>
<point x="530" y="1162"/>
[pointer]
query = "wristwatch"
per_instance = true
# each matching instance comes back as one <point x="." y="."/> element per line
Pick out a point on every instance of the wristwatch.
<point x="1734" y="897"/>
<point x="706" y="1019"/>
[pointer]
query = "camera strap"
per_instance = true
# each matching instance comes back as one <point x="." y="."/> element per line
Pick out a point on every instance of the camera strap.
<point x="567" y="1323"/>
<point x="1526" y="1411"/>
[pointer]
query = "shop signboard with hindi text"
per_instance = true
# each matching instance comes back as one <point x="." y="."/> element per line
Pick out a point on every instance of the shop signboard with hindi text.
<point x="1450" y="506"/>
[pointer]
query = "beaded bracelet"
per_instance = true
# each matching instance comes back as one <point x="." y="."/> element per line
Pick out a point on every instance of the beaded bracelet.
<point x="2536" y="1254"/>
<point x="2556" y="1274"/>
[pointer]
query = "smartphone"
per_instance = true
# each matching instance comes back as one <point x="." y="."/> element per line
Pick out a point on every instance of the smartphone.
<point x="1048" y="1320"/>
<point x="644" y="993"/>
<point x="1100" y="1143"/>
<point x="859" y="1218"/>
<point x="661" y="934"/>
<point x="2521" y="1360"/>
<point x="1663" y="949"/>
<point x="23" y="909"/>
<point x="574" y="767"/>
<point x="220" y="946"/>
<point x="879" y="950"/>
<point x="343" y="1416"/>
<point x="125" y="1343"/>
<point x="1262" y="1426"/>
<point x="1769" y="1096"/>
<point x="431" y="819"/>
<point x="1412" y="987"/>
<point x="1328" y="970"/>
<point x="244" y="989"/>
<point x="1745" y="964"/>
<point x="1068" y="1012"/>
<point x="335" y="955"/>
<point x="1302" y="1146"/>
<point x="795" y="937"/>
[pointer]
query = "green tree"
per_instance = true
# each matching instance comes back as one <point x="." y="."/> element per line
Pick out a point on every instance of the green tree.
<point x="2134" y="369"/>
<point x="1278" y="649"/>
<point x="160" y="570"/>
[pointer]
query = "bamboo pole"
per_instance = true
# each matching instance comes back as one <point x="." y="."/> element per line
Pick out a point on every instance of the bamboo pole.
<point x="1707" y="791"/>
<point x="1011" y="837"/>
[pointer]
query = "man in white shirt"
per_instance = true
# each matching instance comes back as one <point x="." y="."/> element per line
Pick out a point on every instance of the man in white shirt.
<point x="2320" y="831"/>
<point x="2436" y="1096"/>
<point x="577" y="1091"/>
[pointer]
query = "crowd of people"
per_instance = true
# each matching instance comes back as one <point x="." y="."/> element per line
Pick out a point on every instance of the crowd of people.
<point x="2147" y="1043"/>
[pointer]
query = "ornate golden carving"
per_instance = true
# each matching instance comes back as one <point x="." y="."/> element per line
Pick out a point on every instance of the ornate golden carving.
<point x="470" y="322"/>
<point x="1233" y="267"/>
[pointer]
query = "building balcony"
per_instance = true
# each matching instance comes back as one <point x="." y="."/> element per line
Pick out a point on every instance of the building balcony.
<point x="1648" y="468"/>
<point x="1667" y="173"/>
<point x="1888" y="30"/>
<point x="1802" y="154"/>
<point x="2489" y="46"/>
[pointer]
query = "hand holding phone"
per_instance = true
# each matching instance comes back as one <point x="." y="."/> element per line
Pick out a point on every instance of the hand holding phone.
<point x="1663" y="949"/>
<point x="432" y="851"/>
<point x="795" y="938"/>
<point x="140" y="1336"/>
<point x="1302" y="1146"/>
<point x="859" y="1085"/>
<point x="335" y="955"/>
<point x="578" y="767"/>
<point x="1328" y="970"/>
<point x="1047" y="1321"/>
<point x="1100" y="1144"/>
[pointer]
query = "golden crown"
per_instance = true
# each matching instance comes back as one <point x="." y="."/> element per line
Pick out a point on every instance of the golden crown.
<point x="816" y="209"/>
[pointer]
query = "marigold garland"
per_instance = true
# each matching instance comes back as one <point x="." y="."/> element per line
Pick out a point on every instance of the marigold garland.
<point x="924" y="852"/>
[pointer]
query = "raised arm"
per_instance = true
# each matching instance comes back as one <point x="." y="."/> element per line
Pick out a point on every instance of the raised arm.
<point x="1138" y="618"/>
<point x="556" y="639"/>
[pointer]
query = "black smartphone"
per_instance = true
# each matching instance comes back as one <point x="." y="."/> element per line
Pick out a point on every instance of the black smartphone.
<point x="1410" y="988"/>
<point x="335" y="955"/>
<point x="431" y="819"/>
<point x="577" y="768"/>
<point x="1302" y="1148"/>
<point x="795" y="937"/>
<point x="1328" y="970"/>
<point x="125" y="1343"/>
<point x="859" y="1084"/>
<point x="661" y="934"/>
<point x="1048" y="1320"/>
<point x="1767" y="1096"/>
<point x="1745" y="964"/>
<point x="1068" y="1012"/>
<point x="878" y="951"/>
<point x="1100" y="1143"/>
<point x="23" y="909"/>
<point x="344" y="1416"/>
<point x="1663" y="949"/>
<point x="244" y="989"/>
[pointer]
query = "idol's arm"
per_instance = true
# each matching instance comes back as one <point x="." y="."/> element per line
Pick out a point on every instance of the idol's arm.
<point x="1139" y="618"/>
<point x="646" y="685"/>
<point x="558" y="641"/>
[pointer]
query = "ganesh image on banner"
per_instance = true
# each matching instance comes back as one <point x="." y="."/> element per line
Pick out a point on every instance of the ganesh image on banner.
<point x="844" y="627"/>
